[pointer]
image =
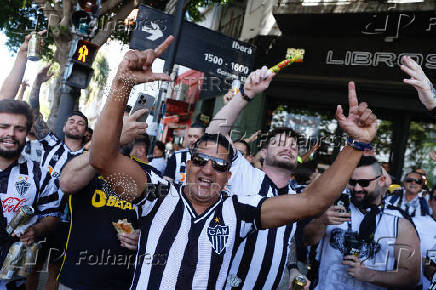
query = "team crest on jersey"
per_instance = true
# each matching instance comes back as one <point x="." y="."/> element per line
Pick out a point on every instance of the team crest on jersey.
<point x="56" y="157"/>
<point x="218" y="236"/>
<point x="22" y="185"/>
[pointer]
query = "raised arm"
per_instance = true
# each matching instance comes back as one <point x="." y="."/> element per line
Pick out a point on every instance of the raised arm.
<point x="42" y="76"/>
<point x="224" y="119"/>
<point x="12" y="82"/>
<point x="418" y="79"/>
<point x="22" y="90"/>
<point x="78" y="172"/>
<point x="361" y="126"/>
<point x="39" y="126"/>
<point x="126" y="177"/>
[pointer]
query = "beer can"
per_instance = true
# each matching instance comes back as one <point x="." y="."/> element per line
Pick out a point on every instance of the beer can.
<point x="34" y="47"/>
<point x="28" y="260"/>
<point x="299" y="282"/>
<point x="20" y="218"/>
<point x="15" y="253"/>
<point x="355" y="252"/>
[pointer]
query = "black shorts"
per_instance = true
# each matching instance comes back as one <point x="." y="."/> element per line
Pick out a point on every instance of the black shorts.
<point x="54" y="246"/>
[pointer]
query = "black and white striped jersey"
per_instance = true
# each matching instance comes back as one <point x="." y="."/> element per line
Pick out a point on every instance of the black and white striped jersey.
<point x="21" y="184"/>
<point x="260" y="260"/>
<point x="53" y="155"/>
<point x="176" y="166"/>
<point x="179" y="248"/>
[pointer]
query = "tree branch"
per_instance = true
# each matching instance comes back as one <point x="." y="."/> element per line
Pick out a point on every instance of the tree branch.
<point x="104" y="32"/>
<point x="53" y="15"/>
<point x="57" y="7"/>
<point x="66" y="20"/>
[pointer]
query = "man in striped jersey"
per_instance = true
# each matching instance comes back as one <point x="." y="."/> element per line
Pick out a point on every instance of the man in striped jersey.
<point x="261" y="259"/>
<point x="53" y="153"/>
<point x="192" y="232"/>
<point x="176" y="165"/>
<point x="21" y="181"/>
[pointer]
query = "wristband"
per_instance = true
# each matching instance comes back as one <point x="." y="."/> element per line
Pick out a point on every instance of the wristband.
<point x="244" y="96"/>
<point x="361" y="146"/>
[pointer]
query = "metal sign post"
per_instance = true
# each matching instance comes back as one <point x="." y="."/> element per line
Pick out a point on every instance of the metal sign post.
<point x="168" y="67"/>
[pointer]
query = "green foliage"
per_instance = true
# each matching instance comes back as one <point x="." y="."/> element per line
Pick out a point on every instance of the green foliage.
<point x="422" y="141"/>
<point x="101" y="70"/>
<point x="193" y="7"/>
<point x="18" y="18"/>
<point x="422" y="138"/>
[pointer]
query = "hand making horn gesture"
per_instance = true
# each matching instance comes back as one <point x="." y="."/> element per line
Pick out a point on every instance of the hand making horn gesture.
<point x="418" y="79"/>
<point x="135" y="68"/>
<point x="361" y="123"/>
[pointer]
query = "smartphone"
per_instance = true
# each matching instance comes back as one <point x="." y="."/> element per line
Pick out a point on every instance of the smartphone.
<point x="344" y="200"/>
<point x="143" y="101"/>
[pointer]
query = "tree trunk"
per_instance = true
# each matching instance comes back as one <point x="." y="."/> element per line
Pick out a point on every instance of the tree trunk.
<point x="61" y="57"/>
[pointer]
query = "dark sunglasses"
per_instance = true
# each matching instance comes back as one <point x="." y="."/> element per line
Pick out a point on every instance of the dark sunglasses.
<point x="200" y="159"/>
<point x="361" y="182"/>
<point x="417" y="181"/>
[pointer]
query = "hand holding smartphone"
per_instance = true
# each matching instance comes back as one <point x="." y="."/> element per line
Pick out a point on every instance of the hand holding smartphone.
<point x="143" y="101"/>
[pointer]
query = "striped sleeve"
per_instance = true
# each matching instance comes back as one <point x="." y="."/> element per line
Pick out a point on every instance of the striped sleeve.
<point x="248" y="211"/>
<point x="156" y="186"/>
<point x="171" y="167"/>
<point x="48" y="203"/>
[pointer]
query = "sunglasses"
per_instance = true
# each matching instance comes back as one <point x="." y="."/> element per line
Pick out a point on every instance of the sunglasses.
<point x="200" y="160"/>
<point x="417" y="181"/>
<point x="361" y="182"/>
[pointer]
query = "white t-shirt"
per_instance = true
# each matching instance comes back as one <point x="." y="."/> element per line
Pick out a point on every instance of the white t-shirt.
<point x="333" y="274"/>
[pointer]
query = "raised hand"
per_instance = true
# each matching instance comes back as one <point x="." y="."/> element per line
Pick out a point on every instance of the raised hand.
<point x="418" y="79"/>
<point x="136" y="65"/>
<point x="25" y="44"/>
<point x="44" y="75"/>
<point x="24" y="84"/>
<point x="361" y="123"/>
<point x="131" y="128"/>
<point x="253" y="137"/>
<point x="256" y="82"/>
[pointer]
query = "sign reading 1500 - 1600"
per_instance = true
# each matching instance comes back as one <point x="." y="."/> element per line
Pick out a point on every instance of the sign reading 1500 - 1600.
<point x="199" y="48"/>
<point x="234" y="66"/>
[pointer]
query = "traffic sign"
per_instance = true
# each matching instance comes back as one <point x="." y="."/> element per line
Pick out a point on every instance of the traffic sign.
<point x="199" y="48"/>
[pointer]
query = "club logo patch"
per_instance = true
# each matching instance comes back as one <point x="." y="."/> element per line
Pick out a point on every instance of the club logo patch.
<point x="22" y="186"/>
<point x="218" y="237"/>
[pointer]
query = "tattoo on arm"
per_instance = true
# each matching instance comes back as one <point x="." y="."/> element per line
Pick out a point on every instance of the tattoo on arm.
<point x="34" y="99"/>
<point x="41" y="128"/>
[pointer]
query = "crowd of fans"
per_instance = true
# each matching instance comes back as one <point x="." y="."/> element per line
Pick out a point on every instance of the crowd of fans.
<point x="211" y="215"/>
